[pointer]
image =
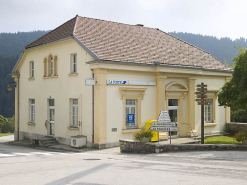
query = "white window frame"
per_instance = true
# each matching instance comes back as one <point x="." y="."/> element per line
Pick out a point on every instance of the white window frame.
<point x="209" y="111"/>
<point x="131" y="106"/>
<point x="74" y="107"/>
<point x="32" y="69"/>
<point x="74" y="63"/>
<point x="32" y="110"/>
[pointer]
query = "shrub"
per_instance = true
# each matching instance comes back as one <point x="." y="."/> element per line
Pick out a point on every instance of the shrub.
<point x="144" y="132"/>
<point x="7" y="124"/>
<point x="240" y="135"/>
<point x="239" y="115"/>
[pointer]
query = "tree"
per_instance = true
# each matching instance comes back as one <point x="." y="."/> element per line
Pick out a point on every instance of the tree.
<point x="234" y="92"/>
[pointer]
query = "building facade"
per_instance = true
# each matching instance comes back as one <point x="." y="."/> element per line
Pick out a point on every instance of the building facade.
<point x="138" y="72"/>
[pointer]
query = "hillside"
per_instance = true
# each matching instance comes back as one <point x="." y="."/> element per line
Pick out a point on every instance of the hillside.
<point x="11" y="45"/>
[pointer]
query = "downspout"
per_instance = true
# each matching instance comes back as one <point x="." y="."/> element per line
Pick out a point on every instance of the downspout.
<point x="92" y="110"/>
<point x="18" y="106"/>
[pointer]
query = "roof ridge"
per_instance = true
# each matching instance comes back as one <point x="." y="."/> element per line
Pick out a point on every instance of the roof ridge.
<point x="75" y="26"/>
<point x="50" y="32"/>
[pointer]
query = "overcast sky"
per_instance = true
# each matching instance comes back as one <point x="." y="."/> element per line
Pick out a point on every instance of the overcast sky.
<point x="220" y="18"/>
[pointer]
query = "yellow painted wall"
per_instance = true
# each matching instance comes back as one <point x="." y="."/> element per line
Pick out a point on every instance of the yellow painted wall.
<point x="61" y="89"/>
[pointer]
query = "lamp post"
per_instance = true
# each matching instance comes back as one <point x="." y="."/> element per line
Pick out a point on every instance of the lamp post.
<point x="9" y="88"/>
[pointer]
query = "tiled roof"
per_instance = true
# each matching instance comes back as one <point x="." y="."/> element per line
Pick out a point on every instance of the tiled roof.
<point x="61" y="32"/>
<point x="119" y="42"/>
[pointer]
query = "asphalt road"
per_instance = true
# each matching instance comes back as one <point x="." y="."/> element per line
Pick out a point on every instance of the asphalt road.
<point x="22" y="165"/>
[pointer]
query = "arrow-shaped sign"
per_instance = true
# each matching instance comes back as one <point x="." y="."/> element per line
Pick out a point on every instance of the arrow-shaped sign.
<point x="172" y="124"/>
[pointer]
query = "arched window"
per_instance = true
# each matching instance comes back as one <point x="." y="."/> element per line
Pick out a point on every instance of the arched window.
<point x="45" y="67"/>
<point x="55" y="66"/>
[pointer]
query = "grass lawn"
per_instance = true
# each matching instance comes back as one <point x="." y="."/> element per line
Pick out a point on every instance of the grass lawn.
<point x="221" y="140"/>
<point x="5" y="134"/>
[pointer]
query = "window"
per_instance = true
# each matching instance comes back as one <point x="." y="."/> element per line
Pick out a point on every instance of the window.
<point x="51" y="66"/>
<point x="74" y="112"/>
<point x="130" y="113"/>
<point x="31" y="69"/>
<point x="32" y="110"/>
<point x="209" y="111"/>
<point x="73" y="63"/>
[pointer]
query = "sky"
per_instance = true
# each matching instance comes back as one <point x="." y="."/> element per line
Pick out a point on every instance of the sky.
<point x="219" y="18"/>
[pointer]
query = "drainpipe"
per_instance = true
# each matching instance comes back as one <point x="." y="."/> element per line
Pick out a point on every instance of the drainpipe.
<point x="92" y="110"/>
<point x="18" y="106"/>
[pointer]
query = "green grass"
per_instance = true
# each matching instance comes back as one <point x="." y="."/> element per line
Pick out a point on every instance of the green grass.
<point x="5" y="134"/>
<point x="221" y="140"/>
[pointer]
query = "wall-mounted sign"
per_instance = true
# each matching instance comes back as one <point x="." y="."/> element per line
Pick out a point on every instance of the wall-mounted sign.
<point x="130" y="118"/>
<point x="89" y="81"/>
<point x="129" y="82"/>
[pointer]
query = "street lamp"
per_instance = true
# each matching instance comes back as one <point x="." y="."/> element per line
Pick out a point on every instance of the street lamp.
<point x="9" y="88"/>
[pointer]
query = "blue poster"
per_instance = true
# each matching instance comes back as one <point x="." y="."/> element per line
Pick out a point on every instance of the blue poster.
<point x="130" y="118"/>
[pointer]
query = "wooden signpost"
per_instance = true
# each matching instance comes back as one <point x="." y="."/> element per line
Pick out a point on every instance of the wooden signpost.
<point x="201" y="100"/>
<point x="164" y="124"/>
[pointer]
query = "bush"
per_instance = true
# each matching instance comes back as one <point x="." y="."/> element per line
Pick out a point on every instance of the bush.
<point x="143" y="133"/>
<point x="7" y="124"/>
<point x="241" y="135"/>
<point x="239" y="115"/>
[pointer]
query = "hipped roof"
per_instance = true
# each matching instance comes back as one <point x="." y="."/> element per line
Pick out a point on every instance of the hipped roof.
<point x="112" y="41"/>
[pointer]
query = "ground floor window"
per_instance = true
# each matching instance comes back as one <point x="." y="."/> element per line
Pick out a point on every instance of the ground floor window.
<point x="32" y="110"/>
<point x="209" y="111"/>
<point x="74" y="112"/>
<point x="130" y="113"/>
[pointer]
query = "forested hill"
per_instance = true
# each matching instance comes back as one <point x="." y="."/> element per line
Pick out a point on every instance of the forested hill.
<point x="11" y="45"/>
<point x="223" y="49"/>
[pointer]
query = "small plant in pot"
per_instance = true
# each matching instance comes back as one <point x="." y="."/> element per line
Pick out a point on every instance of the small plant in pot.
<point x="241" y="136"/>
<point x="144" y="135"/>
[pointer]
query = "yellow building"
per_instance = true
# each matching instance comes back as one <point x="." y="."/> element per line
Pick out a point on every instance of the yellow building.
<point x="138" y="72"/>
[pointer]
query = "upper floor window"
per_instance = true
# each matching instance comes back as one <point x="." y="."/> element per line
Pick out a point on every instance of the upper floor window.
<point x="32" y="69"/>
<point x="73" y="63"/>
<point x="50" y="66"/>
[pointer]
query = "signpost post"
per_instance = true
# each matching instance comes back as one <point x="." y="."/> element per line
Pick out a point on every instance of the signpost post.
<point x="164" y="124"/>
<point x="201" y="100"/>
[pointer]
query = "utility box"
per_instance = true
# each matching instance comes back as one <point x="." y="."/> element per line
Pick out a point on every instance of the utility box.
<point x="155" y="133"/>
<point x="78" y="141"/>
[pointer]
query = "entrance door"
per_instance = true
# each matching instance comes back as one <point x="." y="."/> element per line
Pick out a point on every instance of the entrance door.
<point x="51" y="117"/>
<point x="173" y="113"/>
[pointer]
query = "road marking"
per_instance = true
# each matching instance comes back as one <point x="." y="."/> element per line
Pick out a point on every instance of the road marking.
<point x="40" y="153"/>
<point x="26" y="154"/>
<point x="6" y="155"/>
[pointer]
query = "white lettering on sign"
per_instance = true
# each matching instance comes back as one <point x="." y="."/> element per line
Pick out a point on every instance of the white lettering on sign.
<point x="117" y="82"/>
<point x="173" y="129"/>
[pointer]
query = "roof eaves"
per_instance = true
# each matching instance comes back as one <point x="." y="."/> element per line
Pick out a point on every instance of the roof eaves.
<point x="13" y="70"/>
<point x="86" y="48"/>
<point x="155" y="64"/>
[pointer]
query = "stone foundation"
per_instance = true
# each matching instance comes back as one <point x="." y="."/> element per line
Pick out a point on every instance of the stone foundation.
<point x="130" y="146"/>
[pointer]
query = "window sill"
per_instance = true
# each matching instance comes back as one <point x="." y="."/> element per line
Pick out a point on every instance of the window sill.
<point x="210" y="124"/>
<point x="46" y="77"/>
<point x="73" y="74"/>
<point x="31" y="78"/>
<point x="73" y="128"/>
<point x="126" y="131"/>
<point x="31" y="123"/>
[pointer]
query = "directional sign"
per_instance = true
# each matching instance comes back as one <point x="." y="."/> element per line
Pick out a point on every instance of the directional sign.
<point x="173" y="129"/>
<point x="171" y="124"/>
<point x="203" y="103"/>
<point x="164" y="117"/>
<point x="202" y="89"/>
<point x="200" y="85"/>
<point x="164" y="120"/>
<point x="202" y="93"/>
<point x="200" y="100"/>
<point x="201" y="96"/>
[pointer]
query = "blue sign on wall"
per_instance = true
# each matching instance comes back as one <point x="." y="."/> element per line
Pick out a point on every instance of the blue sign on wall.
<point x="130" y="118"/>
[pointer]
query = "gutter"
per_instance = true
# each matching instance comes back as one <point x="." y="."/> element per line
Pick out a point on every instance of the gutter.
<point x="158" y="64"/>
<point x="92" y="110"/>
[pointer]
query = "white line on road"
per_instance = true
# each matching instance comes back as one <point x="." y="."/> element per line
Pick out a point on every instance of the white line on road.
<point x="26" y="154"/>
<point x="6" y="155"/>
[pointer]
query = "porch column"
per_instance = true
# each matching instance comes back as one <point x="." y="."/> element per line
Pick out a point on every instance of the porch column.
<point x="100" y="108"/>
<point x="191" y="107"/>
<point x="227" y="109"/>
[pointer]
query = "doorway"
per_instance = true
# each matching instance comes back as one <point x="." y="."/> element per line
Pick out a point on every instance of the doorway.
<point x="173" y="111"/>
<point x="51" y="117"/>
